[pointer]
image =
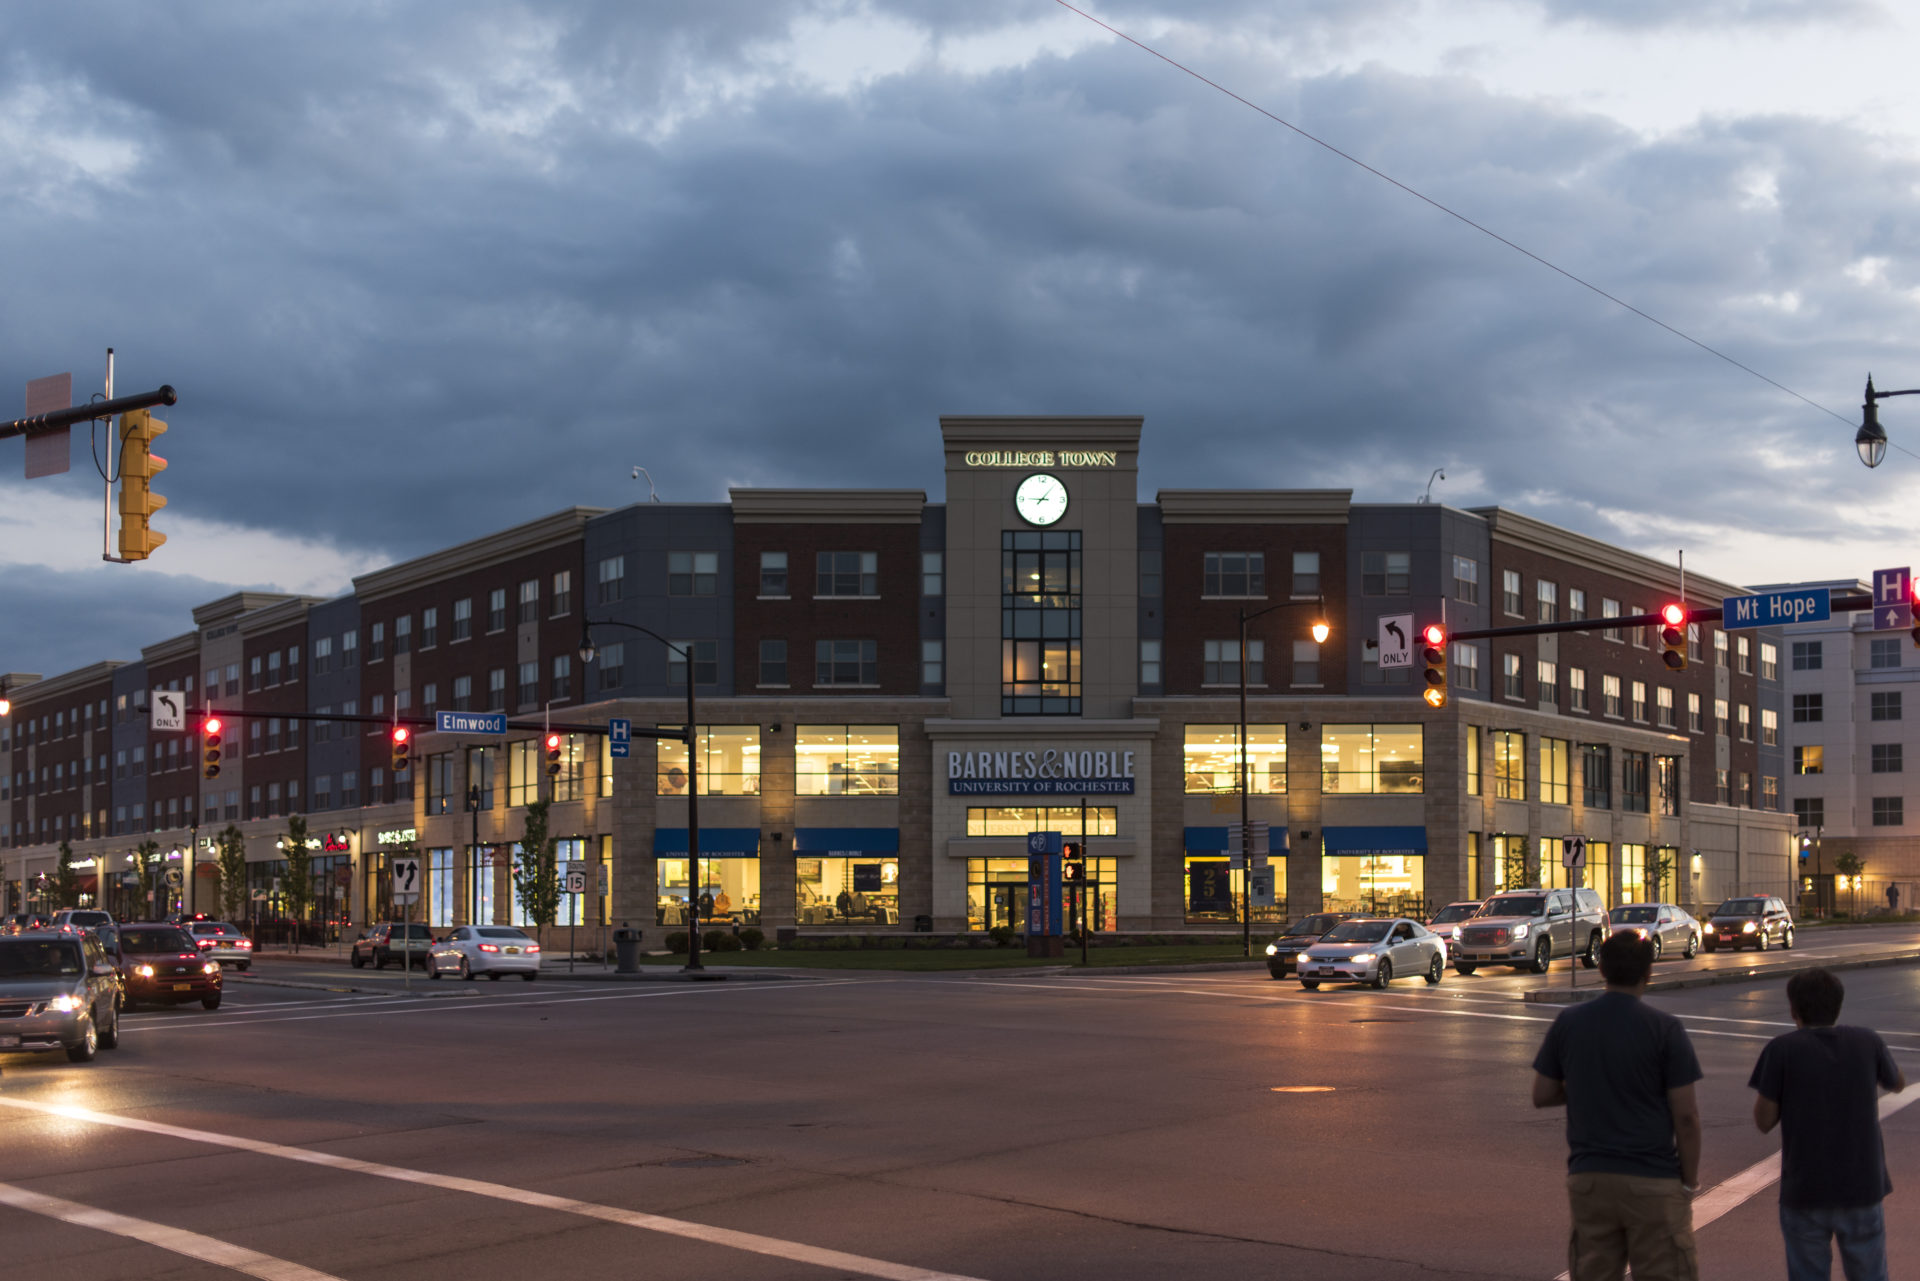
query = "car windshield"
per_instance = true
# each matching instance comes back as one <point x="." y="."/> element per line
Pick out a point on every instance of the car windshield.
<point x="89" y="918"/>
<point x="413" y="931"/>
<point x="155" y="941"/>
<point x="1315" y="925"/>
<point x="213" y="927"/>
<point x="1458" y="912"/>
<point x="500" y="934"/>
<point x="1519" y="905"/>
<point x="1634" y="915"/>
<point x="1359" y="932"/>
<point x="38" y="958"/>
<point x="1741" y="907"/>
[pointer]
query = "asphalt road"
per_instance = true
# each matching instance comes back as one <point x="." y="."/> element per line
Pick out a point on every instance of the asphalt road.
<point x="995" y="1126"/>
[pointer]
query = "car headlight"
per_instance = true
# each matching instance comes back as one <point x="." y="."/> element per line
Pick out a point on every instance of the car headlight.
<point x="1363" y="956"/>
<point x="1746" y="927"/>
<point x="64" y="1004"/>
<point x="1519" y="931"/>
<point x="144" y="971"/>
<point x="211" y="967"/>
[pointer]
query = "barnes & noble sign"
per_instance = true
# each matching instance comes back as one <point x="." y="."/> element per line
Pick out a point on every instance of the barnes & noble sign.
<point x="1040" y="772"/>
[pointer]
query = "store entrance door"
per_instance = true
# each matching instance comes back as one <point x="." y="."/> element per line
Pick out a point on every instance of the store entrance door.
<point x="1008" y="907"/>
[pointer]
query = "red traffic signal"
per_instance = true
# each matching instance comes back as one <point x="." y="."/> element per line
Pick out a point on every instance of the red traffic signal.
<point x="402" y="749"/>
<point x="1433" y="638"/>
<point x="210" y="760"/>
<point x="1673" y="636"/>
<point x="553" y="755"/>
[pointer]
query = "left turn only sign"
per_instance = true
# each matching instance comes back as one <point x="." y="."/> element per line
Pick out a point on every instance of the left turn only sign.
<point x="168" y="709"/>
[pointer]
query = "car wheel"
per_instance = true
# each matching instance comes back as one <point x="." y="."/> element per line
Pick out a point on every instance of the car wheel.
<point x="243" y="965"/>
<point x="210" y="1002"/>
<point x="1706" y="945"/>
<point x="89" y="1045"/>
<point x="433" y="971"/>
<point x="466" y="970"/>
<point x="1542" y="956"/>
<point x="1659" y="947"/>
<point x="1434" y="970"/>
<point x="1383" y="975"/>
<point x="1276" y="971"/>
<point x="110" y="1039"/>
<point x="1312" y="985"/>
<point x="358" y="961"/>
<point x="1461" y="967"/>
<point x="1764" y="941"/>
<point x="493" y="976"/>
<point x="1693" y="946"/>
<point x="1786" y="940"/>
<point x="530" y="976"/>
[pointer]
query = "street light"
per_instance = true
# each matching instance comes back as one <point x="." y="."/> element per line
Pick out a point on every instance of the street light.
<point x="1320" y="631"/>
<point x="1871" y="439"/>
<point x="587" y="652"/>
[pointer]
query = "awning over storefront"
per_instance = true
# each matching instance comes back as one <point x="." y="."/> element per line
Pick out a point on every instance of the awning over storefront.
<point x="1379" y="842"/>
<point x="88" y="883"/>
<point x="845" y="842"/>
<point x="715" y="842"/>
<point x="1213" y="840"/>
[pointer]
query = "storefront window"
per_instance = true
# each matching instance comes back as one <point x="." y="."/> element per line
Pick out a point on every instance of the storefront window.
<point x="440" y="887"/>
<point x="1378" y="884"/>
<point x="862" y="890"/>
<point x="729" y="762"/>
<point x="1509" y="862"/>
<point x="1600" y="870"/>
<point x="527" y="770"/>
<point x="1363" y="759"/>
<point x="480" y="900"/>
<point x="1474" y="873"/>
<point x="846" y="760"/>
<point x="997" y="893"/>
<point x="1211" y="762"/>
<point x="1553" y="874"/>
<point x="1216" y="891"/>
<point x="1018" y="820"/>
<point x="729" y="891"/>
<point x="1633" y="873"/>
<point x="1509" y="765"/>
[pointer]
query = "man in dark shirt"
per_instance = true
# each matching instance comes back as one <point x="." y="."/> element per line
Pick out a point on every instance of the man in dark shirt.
<point x="1822" y="1085"/>
<point x="1625" y="1072"/>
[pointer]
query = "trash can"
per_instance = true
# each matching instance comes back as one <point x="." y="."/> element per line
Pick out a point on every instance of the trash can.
<point x="923" y="924"/>
<point x="626" y="950"/>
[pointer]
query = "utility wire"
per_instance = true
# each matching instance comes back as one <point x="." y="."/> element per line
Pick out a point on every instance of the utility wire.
<point x="1456" y="214"/>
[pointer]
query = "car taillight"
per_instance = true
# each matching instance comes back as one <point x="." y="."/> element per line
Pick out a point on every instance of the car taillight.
<point x="206" y="942"/>
<point x="489" y="947"/>
<point x="532" y="947"/>
<point x="245" y="945"/>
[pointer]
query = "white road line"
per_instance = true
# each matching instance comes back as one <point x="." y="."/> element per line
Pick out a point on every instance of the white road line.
<point x="750" y="1242"/>
<point x="177" y="1240"/>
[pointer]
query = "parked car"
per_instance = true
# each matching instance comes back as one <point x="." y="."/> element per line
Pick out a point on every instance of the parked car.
<point x="162" y="964"/>
<point x="1526" y="929"/>
<point x="1447" y="920"/>
<point x="1374" y="951"/>
<point x="409" y="944"/>
<point x="72" y="919"/>
<point x="1671" y="927"/>
<point x="491" y="950"/>
<point x="1757" y="921"/>
<point x="224" y="942"/>
<point x="1283" y="952"/>
<point x="58" y="992"/>
<point x="21" y="922"/>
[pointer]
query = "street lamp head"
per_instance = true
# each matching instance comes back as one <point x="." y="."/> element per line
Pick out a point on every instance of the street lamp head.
<point x="1320" y="631"/>
<point x="586" y="645"/>
<point x="1871" y="440"/>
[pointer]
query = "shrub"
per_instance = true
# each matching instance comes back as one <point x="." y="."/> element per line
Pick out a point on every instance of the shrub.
<point x="752" y="938"/>
<point x="677" y="942"/>
<point x="720" y="941"/>
<point x="1002" y="935"/>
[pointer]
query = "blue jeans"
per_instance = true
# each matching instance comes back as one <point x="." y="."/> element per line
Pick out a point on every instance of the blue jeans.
<point x="1860" y="1231"/>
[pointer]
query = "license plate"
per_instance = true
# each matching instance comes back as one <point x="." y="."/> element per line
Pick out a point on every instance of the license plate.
<point x="183" y="987"/>
<point x="511" y="951"/>
<point x="9" y="1042"/>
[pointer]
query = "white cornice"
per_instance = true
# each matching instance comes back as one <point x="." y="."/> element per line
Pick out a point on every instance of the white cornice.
<point x="1254" y="506"/>
<point x="1533" y="535"/>
<point x="534" y="536"/>
<point x="828" y="506"/>
<point x="273" y="617"/>
<point x="961" y="431"/>
<point x="168" y="650"/>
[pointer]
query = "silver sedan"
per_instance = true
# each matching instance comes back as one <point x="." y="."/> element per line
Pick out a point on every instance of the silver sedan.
<point x="1376" y="952"/>
<point x="1671" y="927"/>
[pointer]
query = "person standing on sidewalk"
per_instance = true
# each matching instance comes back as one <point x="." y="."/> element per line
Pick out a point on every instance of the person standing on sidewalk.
<point x="1625" y="1072"/>
<point x="1821" y="1084"/>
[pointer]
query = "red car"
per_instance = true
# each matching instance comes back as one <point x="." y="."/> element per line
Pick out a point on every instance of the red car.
<point x="160" y="964"/>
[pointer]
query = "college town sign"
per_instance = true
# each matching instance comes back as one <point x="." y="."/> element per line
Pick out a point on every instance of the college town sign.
<point x="1041" y="772"/>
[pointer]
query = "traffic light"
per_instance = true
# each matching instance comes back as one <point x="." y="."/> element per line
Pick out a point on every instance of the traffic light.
<point x="553" y="755"/>
<point x="1073" y="872"/>
<point x="402" y="749"/>
<point x="139" y="465"/>
<point x="1433" y="639"/>
<point x="211" y="729"/>
<point x="1673" y="636"/>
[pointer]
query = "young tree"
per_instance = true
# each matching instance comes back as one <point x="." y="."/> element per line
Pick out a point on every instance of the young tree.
<point x="536" y="879"/>
<point x="146" y="869"/>
<point x="1850" y="865"/>
<point x="66" y="881"/>
<point x="298" y="886"/>
<point x="232" y="862"/>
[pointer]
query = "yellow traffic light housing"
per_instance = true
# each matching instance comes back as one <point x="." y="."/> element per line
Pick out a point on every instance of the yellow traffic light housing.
<point x="1673" y="636"/>
<point x="139" y="465"/>
<point x="210" y="763"/>
<point x="402" y="753"/>
<point x="1433" y="638"/>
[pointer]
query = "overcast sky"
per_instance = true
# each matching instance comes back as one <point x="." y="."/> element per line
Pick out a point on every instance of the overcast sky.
<point x="420" y="272"/>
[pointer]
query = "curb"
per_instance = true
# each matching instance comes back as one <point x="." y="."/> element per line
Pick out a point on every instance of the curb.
<point x="1716" y="978"/>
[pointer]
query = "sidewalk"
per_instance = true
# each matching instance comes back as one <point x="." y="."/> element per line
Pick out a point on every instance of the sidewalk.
<point x="1761" y="971"/>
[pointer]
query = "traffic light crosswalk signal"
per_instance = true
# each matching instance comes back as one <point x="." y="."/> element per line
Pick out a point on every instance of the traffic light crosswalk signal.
<point x="139" y="466"/>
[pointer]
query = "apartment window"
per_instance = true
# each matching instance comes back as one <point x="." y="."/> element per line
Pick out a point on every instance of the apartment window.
<point x="403" y="634"/>
<point x="1719" y="649"/>
<point x="613" y="666"/>
<point x="1556" y="771"/>
<point x="563" y="593"/>
<point x="847" y="574"/>
<point x="1546" y="597"/>
<point x="233" y="669"/>
<point x="1150" y="664"/>
<point x="497" y="690"/>
<point x="1744" y="714"/>
<point x="1887" y="758"/>
<point x="1806" y="656"/>
<point x="1769" y="661"/>
<point x="1511" y="684"/>
<point x="613" y="580"/>
<point x="529" y="611"/>
<point x="1693" y="715"/>
<point x="846" y="760"/>
<point x="1222" y="663"/>
<point x="1610" y="696"/>
<point x="1666" y="784"/>
<point x="1306" y="573"/>
<point x="1640" y="702"/>
<point x="1577" y="689"/>
<point x="562" y="677"/>
<point x="773" y="663"/>
<point x="349" y="652"/>
<point x="322" y="659"/>
<point x="1634" y="790"/>
<point x="846" y="662"/>
<point x="1235" y="574"/>
<point x="323" y="792"/>
<point x="1769" y="792"/>
<point x="1510" y="592"/>
<point x="1810" y="811"/>
<point x="463" y="692"/>
<point x="1372" y="759"/>
<point x="1466" y="665"/>
<point x="1883" y="651"/>
<point x="1386" y="573"/>
<point x="1306" y="661"/>
<point x="1809" y="760"/>
<point x="213" y="685"/>
<point x="1610" y="608"/>
<point x="1744" y="653"/>
<point x="463" y="618"/>
<point x="933" y="573"/>
<point x="1809" y="708"/>
<point x="1466" y="579"/>
<point x="1720" y="715"/>
<point x="255" y="667"/>
<point x="693" y="573"/>
<point x="1882" y="706"/>
<point x="1769" y="727"/>
<point x="1693" y="642"/>
<point x="1150" y="577"/>
<point x="1509" y="765"/>
<point x="1546" y="678"/>
<point x="497" y="610"/>
<point x="1576" y="604"/>
<point x="376" y="642"/>
<point x="1663" y="707"/>
<point x="706" y="662"/>
<point x="933" y="662"/>
<point x="273" y="736"/>
<point x="1889" y="811"/>
<point x="430" y="697"/>
<point x="529" y="684"/>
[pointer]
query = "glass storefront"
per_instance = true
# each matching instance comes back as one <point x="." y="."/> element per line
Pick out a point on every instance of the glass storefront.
<point x="1215" y="890"/>
<point x="729" y="761"/>
<point x="855" y="890"/>
<point x="997" y="893"/>
<point x="1211" y="767"/>
<point x="1018" y="820"/>
<point x="1633" y="873"/>
<point x="1370" y="759"/>
<point x="846" y="760"/>
<point x="1378" y="884"/>
<point x="728" y="893"/>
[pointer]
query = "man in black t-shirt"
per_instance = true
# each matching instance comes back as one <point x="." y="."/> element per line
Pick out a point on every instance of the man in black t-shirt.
<point x="1822" y="1085"/>
<point x="1625" y="1072"/>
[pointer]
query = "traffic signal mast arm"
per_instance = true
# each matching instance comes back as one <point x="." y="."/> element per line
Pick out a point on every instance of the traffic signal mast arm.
<point x="55" y="419"/>
<point x="420" y="723"/>
<point x="1850" y="603"/>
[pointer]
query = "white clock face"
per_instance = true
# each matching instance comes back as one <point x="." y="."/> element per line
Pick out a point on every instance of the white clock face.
<point x="1041" y="499"/>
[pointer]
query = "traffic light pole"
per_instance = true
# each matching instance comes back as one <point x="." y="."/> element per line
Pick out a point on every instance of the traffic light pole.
<point x="1243" y="772"/>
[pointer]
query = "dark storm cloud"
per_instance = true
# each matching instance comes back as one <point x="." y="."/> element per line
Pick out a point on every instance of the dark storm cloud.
<point x="420" y="278"/>
<point x="59" y="622"/>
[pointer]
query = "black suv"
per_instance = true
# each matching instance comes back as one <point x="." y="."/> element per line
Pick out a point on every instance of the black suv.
<point x="1283" y="954"/>
<point x="1758" y="920"/>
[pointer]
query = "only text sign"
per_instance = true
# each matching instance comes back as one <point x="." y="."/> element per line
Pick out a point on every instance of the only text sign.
<point x="1396" y="641"/>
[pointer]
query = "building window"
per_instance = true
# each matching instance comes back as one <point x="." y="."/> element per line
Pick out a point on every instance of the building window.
<point x="1222" y="663"/>
<point x="1546" y="601"/>
<point x="1473" y="760"/>
<point x="377" y="642"/>
<point x="402" y="636"/>
<point x="1510" y="592"/>
<point x="773" y="575"/>
<point x="322" y="660"/>
<point x="1882" y="706"/>
<point x="729" y="758"/>
<point x="529" y="685"/>
<point x="1577" y="689"/>
<point x="1719" y="649"/>
<point x="1466" y="665"/>
<point x="1720" y="710"/>
<point x="1509" y="765"/>
<point x="1694" y="725"/>
<point x="847" y="574"/>
<point x="1556" y="771"/>
<point x="1744" y="652"/>
<point x="1769" y="661"/>
<point x="1809" y="760"/>
<point x="1511" y="684"/>
<point x="773" y="663"/>
<point x="1466" y="580"/>
<point x="562" y="678"/>
<point x="706" y="662"/>
<point x="1663" y="707"/>
<point x="1359" y="759"/>
<point x="1040" y="622"/>
<point x="255" y="666"/>
<point x="1150" y="664"/>
<point x="497" y="610"/>
<point x="1809" y="708"/>
<point x="429" y="628"/>
<point x="1596" y="776"/>
<point x="1769" y="727"/>
<point x="1806" y="656"/>
<point x="1546" y="677"/>
<point x="1666" y="781"/>
<point x="497" y="690"/>
<point x="1769" y="792"/>
<point x="1386" y="573"/>
<point x="933" y="664"/>
<point x="1235" y="574"/>
<point x="613" y="667"/>
<point x="1610" y="608"/>
<point x="563" y="593"/>
<point x="1610" y="696"/>
<point x="1883" y="651"/>
<point x="693" y="573"/>
<point x="933" y="573"/>
<point x="1576" y="604"/>
<point x="1210" y="762"/>
<point x="1306" y="573"/>
<point x="529" y="611"/>
<point x="1150" y="578"/>
<point x="846" y="662"/>
<point x="1306" y="661"/>
<point x="846" y="760"/>
<point x="430" y="697"/>
<point x="463" y="618"/>
<point x="1887" y="758"/>
<point x="1639" y="689"/>
<point x="1889" y="811"/>
<point x="1634" y="792"/>
<point x="1810" y="811"/>
<point x="1743" y="713"/>
<point x="612" y="580"/>
<point x="1640" y="635"/>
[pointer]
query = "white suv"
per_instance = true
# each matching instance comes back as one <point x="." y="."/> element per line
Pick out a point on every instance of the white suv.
<point x="1527" y="929"/>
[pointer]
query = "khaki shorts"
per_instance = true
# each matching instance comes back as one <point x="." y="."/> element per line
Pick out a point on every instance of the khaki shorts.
<point x="1625" y="1218"/>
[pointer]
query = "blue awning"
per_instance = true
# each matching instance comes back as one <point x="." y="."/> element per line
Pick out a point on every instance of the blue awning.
<point x="1377" y="841"/>
<point x="715" y="842"/>
<point x="1213" y="840"/>
<point x="838" y="842"/>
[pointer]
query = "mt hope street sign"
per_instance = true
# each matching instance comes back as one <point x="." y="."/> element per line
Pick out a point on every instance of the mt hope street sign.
<point x="1774" y="609"/>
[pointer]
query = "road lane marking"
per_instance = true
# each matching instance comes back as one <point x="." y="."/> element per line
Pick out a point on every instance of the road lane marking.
<point x="177" y="1240"/>
<point x="750" y="1242"/>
